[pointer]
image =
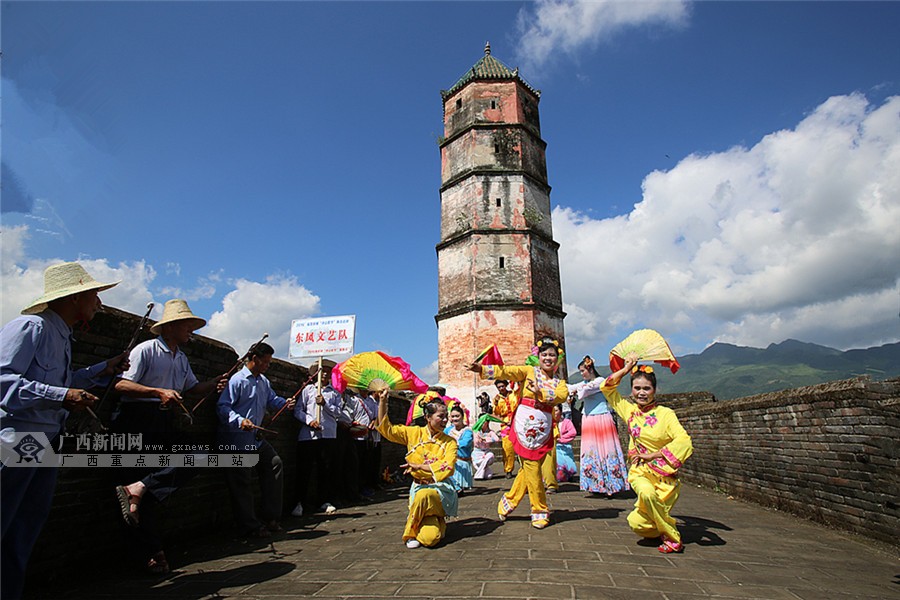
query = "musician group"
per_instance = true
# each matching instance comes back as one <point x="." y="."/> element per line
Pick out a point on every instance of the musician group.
<point x="157" y="386"/>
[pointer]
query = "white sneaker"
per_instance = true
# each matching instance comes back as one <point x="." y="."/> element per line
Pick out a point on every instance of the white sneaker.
<point x="298" y="510"/>
<point x="328" y="508"/>
<point x="413" y="543"/>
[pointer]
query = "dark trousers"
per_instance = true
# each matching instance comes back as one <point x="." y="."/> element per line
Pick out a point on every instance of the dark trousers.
<point x="316" y="457"/>
<point x="348" y="465"/>
<point x="369" y="464"/>
<point x="270" y="471"/>
<point x="157" y="428"/>
<point x="24" y="507"/>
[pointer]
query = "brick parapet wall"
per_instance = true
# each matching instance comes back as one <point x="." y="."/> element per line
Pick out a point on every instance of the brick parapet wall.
<point x="827" y="452"/>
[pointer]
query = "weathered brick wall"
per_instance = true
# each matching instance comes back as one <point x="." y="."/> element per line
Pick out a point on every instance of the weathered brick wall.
<point x="827" y="452"/>
<point x="491" y="102"/>
<point x="499" y="201"/>
<point x="85" y="511"/>
<point x="461" y="337"/>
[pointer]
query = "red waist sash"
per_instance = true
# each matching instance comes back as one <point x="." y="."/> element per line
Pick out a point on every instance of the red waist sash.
<point x="536" y="404"/>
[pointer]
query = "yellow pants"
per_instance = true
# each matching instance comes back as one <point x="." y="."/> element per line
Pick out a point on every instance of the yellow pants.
<point x="548" y="470"/>
<point x="509" y="455"/>
<point x="656" y="497"/>
<point x="527" y="480"/>
<point x="426" y="518"/>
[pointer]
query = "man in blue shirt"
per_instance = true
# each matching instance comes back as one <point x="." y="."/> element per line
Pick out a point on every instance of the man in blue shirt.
<point x="241" y="409"/>
<point x="39" y="389"/>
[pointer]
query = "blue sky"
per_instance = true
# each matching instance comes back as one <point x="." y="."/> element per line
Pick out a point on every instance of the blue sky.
<point x="721" y="170"/>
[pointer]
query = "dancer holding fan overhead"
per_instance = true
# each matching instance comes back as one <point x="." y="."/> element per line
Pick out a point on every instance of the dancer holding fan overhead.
<point x="531" y="431"/>
<point x="659" y="446"/>
<point x="430" y="460"/>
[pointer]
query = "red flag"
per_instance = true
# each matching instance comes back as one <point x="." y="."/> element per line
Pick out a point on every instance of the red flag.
<point x="490" y="356"/>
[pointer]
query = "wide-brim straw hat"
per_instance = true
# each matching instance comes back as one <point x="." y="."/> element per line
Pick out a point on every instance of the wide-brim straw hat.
<point x="327" y="363"/>
<point x="65" y="279"/>
<point x="177" y="310"/>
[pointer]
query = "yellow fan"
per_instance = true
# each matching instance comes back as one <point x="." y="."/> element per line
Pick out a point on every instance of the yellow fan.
<point x="648" y="345"/>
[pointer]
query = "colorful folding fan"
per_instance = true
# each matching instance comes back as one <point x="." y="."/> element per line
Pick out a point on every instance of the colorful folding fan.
<point x="648" y="345"/>
<point x="375" y="371"/>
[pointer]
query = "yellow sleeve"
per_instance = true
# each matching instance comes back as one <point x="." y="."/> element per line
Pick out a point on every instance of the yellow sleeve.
<point x="561" y="393"/>
<point x="510" y="373"/>
<point x="443" y="468"/>
<point x="623" y="407"/>
<point x="395" y="433"/>
<point x="500" y="407"/>
<point x="681" y="447"/>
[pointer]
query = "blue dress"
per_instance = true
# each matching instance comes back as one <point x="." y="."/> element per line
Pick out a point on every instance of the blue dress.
<point x="463" y="477"/>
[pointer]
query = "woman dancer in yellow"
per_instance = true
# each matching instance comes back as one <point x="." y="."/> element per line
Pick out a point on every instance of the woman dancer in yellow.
<point x="659" y="446"/>
<point x="531" y="431"/>
<point x="430" y="459"/>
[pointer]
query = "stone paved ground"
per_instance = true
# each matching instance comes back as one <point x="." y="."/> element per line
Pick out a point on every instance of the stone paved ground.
<point x="733" y="550"/>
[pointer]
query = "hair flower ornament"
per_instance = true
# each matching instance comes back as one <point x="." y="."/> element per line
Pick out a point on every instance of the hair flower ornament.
<point x="642" y="369"/>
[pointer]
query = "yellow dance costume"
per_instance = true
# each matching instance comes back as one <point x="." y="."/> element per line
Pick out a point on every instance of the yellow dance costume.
<point x="431" y="496"/>
<point x="531" y="434"/>
<point x="504" y="409"/>
<point x="656" y="482"/>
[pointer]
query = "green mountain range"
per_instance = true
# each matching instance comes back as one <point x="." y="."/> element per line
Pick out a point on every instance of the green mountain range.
<point x="730" y="371"/>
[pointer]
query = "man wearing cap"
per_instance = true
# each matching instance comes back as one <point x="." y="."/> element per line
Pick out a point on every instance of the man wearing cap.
<point x="241" y="409"/>
<point x="154" y="387"/>
<point x="39" y="389"/>
<point x="318" y="413"/>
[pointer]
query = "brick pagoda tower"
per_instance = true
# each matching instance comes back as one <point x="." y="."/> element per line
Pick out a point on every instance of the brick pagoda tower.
<point x="498" y="268"/>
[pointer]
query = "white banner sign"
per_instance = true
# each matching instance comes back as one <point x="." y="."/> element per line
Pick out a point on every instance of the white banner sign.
<point x="323" y="336"/>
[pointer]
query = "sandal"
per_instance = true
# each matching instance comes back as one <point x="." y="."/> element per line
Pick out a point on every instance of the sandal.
<point x="669" y="546"/>
<point x="128" y="505"/>
<point x="158" y="565"/>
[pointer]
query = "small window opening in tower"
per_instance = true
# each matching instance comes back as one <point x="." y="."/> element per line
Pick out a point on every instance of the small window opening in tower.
<point x="459" y="103"/>
<point x="496" y="148"/>
<point x="498" y="202"/>
<point x="502" y="263"/>
<point x="493" y="104"/>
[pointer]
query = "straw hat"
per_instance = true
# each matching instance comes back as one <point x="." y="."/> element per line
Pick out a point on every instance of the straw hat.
<point x="177" y="310"/>
<point x="327" y="363"/>
<point x="65" y="279"/>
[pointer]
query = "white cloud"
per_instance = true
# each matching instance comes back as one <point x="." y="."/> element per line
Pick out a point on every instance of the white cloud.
<point x="254" y="308"/>
<point x="861" y="320"/>
<point x="23" y="277"/>
<point x="204" y="290"/>
<point x="429" y="373"/>
<point x="249" y="310"/>
<point x="549" y="26"/>
<point x="794" y="237"/>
